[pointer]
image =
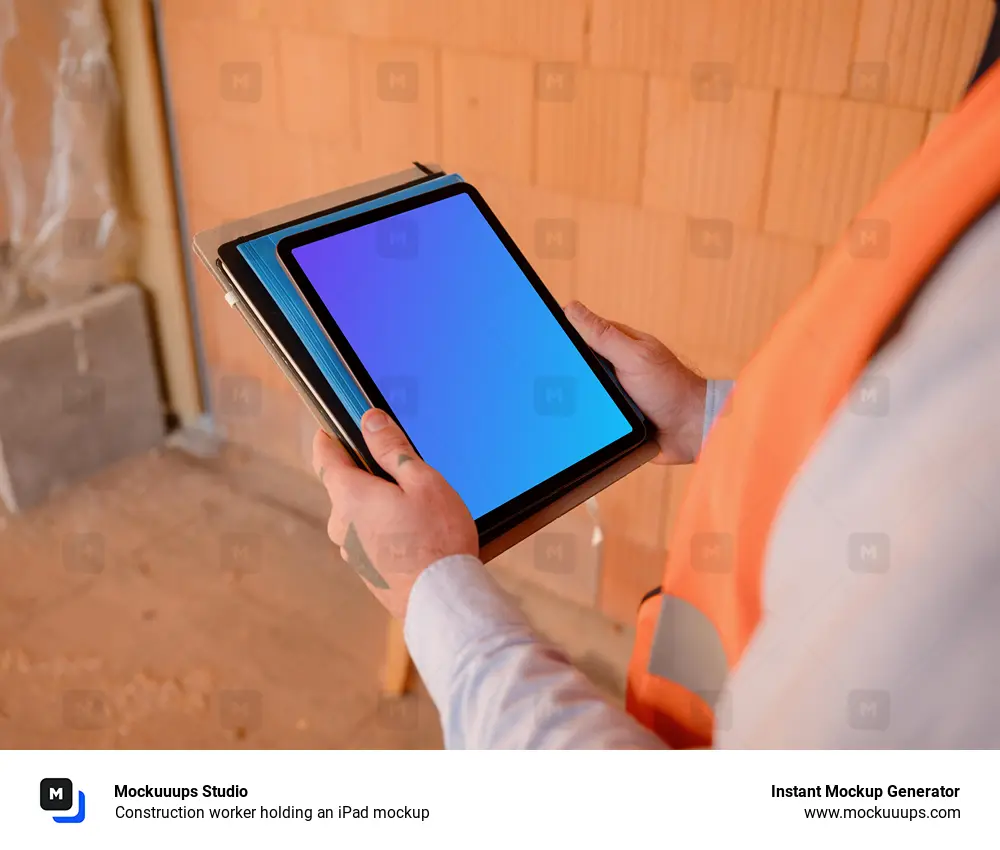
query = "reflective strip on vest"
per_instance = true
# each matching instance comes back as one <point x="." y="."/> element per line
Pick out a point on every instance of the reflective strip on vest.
<point x="687" y="650"/>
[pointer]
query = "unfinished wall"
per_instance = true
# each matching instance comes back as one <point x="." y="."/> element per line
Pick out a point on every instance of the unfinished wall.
<point x="680" y="165"/>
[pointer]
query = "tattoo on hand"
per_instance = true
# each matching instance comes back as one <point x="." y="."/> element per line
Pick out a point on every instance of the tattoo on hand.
<point x="403" y="459"/>
<point x="358" y="558"/>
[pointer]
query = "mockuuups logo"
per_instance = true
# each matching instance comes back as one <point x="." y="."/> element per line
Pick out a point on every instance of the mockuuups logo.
<point x="56" y="795"/>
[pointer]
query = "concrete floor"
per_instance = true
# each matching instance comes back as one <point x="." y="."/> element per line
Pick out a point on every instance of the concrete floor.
<point x="185" y="602"/>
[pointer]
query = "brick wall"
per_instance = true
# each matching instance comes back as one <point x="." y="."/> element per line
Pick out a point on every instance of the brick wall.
<point x="681" y="165"/>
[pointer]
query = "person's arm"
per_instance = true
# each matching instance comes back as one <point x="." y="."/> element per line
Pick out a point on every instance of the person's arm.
<point x="496" y="683"/>
<point x="883" y="587"/>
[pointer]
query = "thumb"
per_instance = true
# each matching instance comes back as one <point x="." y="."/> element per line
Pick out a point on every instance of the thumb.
<point x="390" y="447"/>
<point x="606" y="338"/>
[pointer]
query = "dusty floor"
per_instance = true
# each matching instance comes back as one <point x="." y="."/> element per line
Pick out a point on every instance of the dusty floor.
<point x="177" y="601"/>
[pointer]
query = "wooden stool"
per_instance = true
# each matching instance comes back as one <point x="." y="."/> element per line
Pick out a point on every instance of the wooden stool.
<point x="398" y="667"/>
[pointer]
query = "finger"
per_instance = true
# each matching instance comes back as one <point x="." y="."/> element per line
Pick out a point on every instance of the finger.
<point x="615" y="342"/>
<point x="338" y="473"/>
<point x="336" y="526"/>
<point x="328" y="453"/>
<point x="629" y="331"/>
<point x="389" y="446"/>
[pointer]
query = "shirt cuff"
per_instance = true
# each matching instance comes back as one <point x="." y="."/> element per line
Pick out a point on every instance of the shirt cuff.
<point x="453" y="603"/>
<point x="716" y="394"/>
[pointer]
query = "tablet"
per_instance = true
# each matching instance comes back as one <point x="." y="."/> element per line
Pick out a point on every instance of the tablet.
<point x="442" y="322"/>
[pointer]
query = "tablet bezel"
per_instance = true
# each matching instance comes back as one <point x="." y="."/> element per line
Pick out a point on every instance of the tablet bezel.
<point x="501" y="519"/>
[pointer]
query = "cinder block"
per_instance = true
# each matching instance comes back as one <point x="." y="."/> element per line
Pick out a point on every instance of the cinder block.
<point x="222" y="69"/>
<point x="918" y="53"/>
<point x="707" y="151"/>
<point x="564" y="558"/>
<point x="215" y="165"/>
<point x="802" y="45"/>
<point x="552" y="30"/>
<point x="316" y="86"/>
<point x="399" y="20"/>
<point x="397" y="88"/>
<point x="336" y="166"/>
<point x="636" y="506"/>
<point x="796" y="45"/>
<point x="79" y="391"/>
<point x="284" y="13"/>
<point x="286" y="170"/>
<point x="486" y="114"/>
<point x="825" y="253"/>
<point x="542" y="29"/>
<point x="589" y="127"/>
<point x="629" y="570"/>
<point x="678" y="481"/>
<point x="707" y="289"/>
<point x="828" y="158"/>
<point x="240" y="173"/>
<point x="935" y="120"/>
<point x="735" y="287"/>
<point x="663" y="36"/>
<point x="255" y="407"/>
<point x="630" y="264"/>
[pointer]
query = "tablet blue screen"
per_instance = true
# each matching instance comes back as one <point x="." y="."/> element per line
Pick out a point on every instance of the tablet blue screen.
<point x="490" y="389"/>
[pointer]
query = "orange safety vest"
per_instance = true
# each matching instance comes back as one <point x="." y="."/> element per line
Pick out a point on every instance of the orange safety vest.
<point x="693" y="632"/>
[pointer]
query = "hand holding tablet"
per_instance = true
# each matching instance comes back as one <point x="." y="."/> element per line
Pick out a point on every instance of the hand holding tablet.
<point x="391" y="533"/>
<point x="439" y="320"/>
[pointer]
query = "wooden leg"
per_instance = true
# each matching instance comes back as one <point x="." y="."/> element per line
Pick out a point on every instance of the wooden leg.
<point x="396" y="673"/>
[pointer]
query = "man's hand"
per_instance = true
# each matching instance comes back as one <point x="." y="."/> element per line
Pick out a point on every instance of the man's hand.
<point x="391" y="533"/>
<point x="670" y="394"/>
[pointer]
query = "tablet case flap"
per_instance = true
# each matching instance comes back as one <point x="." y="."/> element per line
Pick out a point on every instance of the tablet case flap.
<point x="207" y="242"/>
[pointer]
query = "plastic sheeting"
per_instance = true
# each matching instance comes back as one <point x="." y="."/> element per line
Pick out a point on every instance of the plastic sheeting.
<point x="61" y="223"/>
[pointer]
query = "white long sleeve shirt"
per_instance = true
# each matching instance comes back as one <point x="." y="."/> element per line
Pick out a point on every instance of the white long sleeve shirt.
<point x="914" y="469"/>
